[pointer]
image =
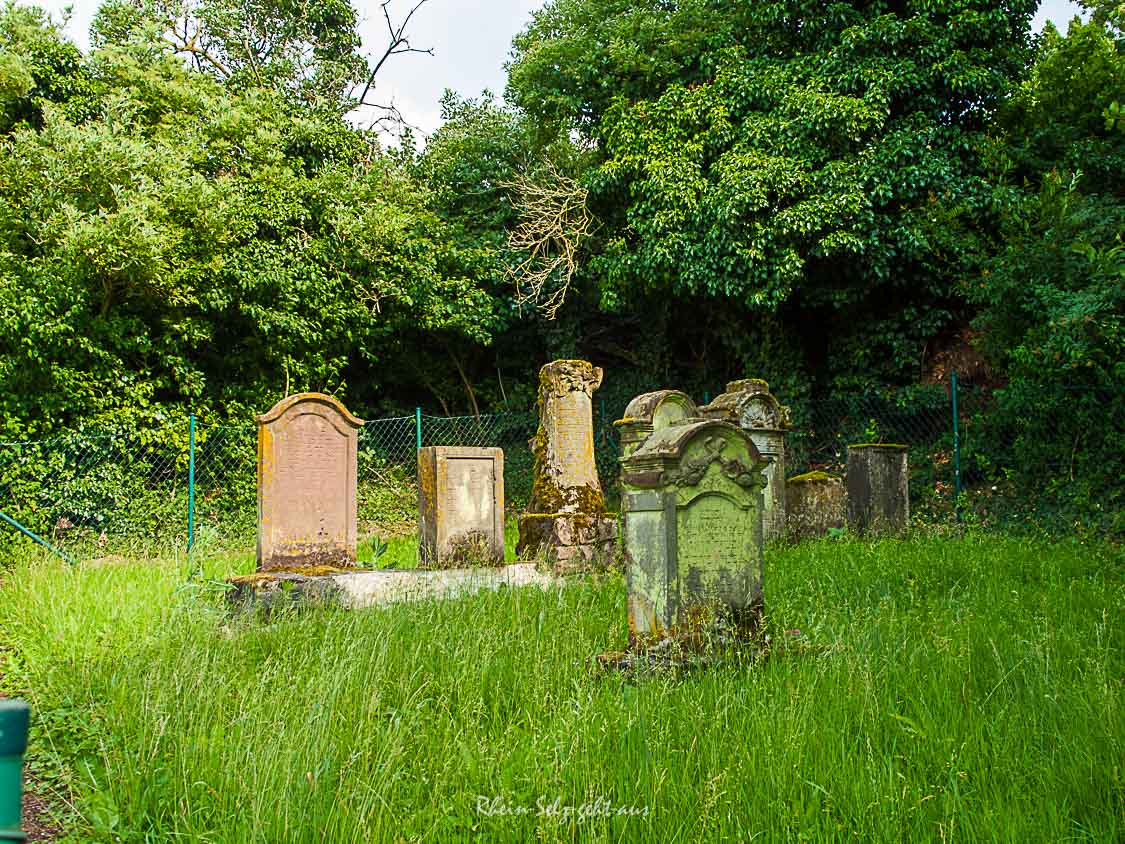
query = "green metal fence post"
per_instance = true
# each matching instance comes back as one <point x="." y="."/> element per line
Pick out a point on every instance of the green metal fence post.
<point x="417" y="427"/>
<point x="956" y="450"/>
<point x="191" y="483"/>
<point x="14" y="718"/>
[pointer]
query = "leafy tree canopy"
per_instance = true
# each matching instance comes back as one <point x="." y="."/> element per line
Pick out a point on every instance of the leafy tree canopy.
<point x="179" y="241"/>
<point x="767" y="153"/>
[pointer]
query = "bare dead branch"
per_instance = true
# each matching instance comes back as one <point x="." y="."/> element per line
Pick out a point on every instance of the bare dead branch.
<point x="553" y="226"/>
<point x="397" y="45"/>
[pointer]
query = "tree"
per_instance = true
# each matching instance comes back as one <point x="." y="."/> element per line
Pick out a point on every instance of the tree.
<point x="308" y="48"/>
<point x="188" y="243"/>
<point x="1051" y="297"/>
<point x="783" y="157"/>
<point x="1056" y="118"/>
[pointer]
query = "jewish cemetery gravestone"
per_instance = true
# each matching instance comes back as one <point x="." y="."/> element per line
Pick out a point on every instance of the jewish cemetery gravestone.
<point x="814" y="502"/>
<point x="878" y="488"/>
<point x="566" y="515"/>
<point x="307" y="483"/>
<point x="651" y="412"/>
<point x="692" y="508"/>
<point x="750" y="405"/>
<point x="460" y="505"/>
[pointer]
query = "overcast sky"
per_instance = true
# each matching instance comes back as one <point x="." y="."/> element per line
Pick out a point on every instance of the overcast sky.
<point x="471" y="40"/>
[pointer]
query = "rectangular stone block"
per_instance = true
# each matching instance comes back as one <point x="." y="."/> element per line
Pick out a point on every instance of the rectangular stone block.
<point x="878" y="489"/>
<point x="307" y="483"/>
<point x="460" y="505"/>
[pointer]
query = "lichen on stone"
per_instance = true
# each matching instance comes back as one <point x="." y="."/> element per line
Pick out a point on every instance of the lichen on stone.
<point x="810" y="477"/>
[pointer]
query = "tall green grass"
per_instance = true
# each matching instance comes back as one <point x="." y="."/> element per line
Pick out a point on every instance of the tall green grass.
<point x="941" y="690"/>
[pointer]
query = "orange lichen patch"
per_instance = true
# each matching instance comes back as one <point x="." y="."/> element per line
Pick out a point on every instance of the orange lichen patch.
<point x="251" y="579"/>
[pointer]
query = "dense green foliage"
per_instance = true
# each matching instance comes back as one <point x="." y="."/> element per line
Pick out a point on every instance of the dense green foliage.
<point x="759" y="154"/>
<point x="829" y="197"/>
<point x="915" y="689"/>
<point x="168" y="241"/>
<point x="1051" y="294"/>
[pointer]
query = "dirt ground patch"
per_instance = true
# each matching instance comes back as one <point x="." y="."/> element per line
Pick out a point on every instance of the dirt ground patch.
<point x="37" y="819"/>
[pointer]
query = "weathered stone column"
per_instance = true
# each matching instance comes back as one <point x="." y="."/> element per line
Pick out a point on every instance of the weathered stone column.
<point x="814" y="502"/>
<point x="750" y="405"/>
<point x="878" y="488"/>
<point x="566" y="515"/>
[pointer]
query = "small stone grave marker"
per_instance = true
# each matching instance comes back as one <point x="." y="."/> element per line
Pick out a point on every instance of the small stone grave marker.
<point x="307" y="483"/>
<point x="461" y="505"/>
<point x="814" y="502"/>
<point x="878" y="488"/>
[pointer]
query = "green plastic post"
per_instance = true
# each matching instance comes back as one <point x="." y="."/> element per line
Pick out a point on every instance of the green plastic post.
<point x="956" y="451"/>
<point x="14" y="718"/>
<point x="417" y="427"/>
<point x="191" y="483"/>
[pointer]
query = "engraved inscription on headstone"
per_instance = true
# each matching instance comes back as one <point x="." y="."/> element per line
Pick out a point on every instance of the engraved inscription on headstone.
<point x="308" y="478"/>
<point x="307" y="483"/>
<point x="692" y="505"/>
<point x="468" y="491"/>
<point x="460" y="505"/>
<point x="573" y="442"/>
<point x="713" y="532"/>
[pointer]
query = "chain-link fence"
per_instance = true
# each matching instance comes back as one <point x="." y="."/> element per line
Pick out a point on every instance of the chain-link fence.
<point x="1054" y="460"/>
<point x="1049" y="460"/>
<point x="110" y="492"/>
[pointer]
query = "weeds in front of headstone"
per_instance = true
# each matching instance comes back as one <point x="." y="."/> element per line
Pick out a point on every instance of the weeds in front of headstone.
<point x="473" y="549"/>
<point x="913" y="687"/>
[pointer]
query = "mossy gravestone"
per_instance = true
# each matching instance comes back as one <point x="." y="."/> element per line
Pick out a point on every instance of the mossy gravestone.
<point x="307" y="483"/>
<point x="750" y="405"/>
<point x="566" y="516"/>
<point x="460" y="506"/>
<point x="814" y="503"/>
<point x="650" y="412"/>
<point x="692" y="509"/>
<point x="878" y="489"/>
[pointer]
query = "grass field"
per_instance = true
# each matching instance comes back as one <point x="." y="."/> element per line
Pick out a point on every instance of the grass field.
<point x="939" y="689"/>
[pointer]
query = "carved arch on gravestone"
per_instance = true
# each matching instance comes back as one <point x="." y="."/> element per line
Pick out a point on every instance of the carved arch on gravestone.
<point x="750" y="405"/>
<point x="762" y="410"/>
<point x="662" y="409"/>
<point x="680" y="456"/>
<point x="342" y="413"/>
<point x="709" y="443"/>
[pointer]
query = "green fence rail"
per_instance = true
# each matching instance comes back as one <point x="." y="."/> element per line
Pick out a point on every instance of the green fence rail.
<point x="973" y="453"/>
